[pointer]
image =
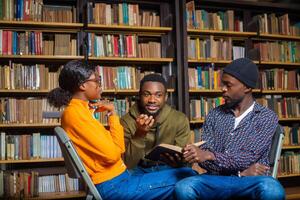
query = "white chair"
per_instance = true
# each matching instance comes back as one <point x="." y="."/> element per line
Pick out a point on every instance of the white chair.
<point x="74" y="164"/>
<point x="275" y="152"/>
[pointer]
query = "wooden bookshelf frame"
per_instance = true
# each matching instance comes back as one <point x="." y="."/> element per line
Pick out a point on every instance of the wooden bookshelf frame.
<point x="35" y="125"/>
<point x="32" y="161"/>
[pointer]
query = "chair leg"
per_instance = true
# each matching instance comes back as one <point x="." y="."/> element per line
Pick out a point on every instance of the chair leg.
<point x="89" y="197"/>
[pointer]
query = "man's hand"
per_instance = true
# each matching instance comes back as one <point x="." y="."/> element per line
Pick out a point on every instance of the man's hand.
<point x="143" y="124"/>
<point x="193" y="154"/>
<point x="255" y="169"/>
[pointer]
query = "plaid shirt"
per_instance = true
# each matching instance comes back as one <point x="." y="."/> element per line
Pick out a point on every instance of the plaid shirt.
<point x="236" y="149"/>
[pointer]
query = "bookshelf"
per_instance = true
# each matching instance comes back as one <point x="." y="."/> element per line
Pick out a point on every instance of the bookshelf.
<point x="37" y="38"/>
<point x="140" y="38"/>
<point x="279" y="82"/>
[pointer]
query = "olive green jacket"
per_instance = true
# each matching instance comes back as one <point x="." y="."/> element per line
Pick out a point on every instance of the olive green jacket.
<point x="173" y="126"/>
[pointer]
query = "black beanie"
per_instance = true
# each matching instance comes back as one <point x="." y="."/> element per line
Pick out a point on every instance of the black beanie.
<point x="244" y="70"/>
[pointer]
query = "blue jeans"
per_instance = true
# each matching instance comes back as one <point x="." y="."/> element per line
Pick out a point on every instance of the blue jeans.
<point x="143" y="170"/>
<point x="152" y="185"/>
<point x="229" y="187"/>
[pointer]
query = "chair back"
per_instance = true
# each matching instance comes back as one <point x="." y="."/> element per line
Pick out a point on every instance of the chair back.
<point x="274" y="156"/>
<point x="74" y="164"/>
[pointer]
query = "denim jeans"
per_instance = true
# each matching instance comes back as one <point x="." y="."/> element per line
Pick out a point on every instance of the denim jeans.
<point x="152" y="185"/>
<point x="229" y="187"/>
<point x="143" y="170"/>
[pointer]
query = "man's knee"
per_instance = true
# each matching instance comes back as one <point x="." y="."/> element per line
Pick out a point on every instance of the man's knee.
<point x="270" y="188"/>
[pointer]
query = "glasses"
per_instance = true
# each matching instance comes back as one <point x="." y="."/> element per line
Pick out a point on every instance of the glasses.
<point x="96" y="80"/>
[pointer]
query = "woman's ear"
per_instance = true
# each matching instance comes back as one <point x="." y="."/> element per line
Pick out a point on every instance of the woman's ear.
<point x="82" y="87"/>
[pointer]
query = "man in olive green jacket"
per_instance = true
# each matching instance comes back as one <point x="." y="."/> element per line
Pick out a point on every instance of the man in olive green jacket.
<point x="150" y="122"/>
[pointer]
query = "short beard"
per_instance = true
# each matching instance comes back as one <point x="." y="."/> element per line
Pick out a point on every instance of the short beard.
<point x="233" y="104"/>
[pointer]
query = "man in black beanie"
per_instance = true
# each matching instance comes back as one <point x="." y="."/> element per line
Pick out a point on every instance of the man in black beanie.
<point x="238" y="139"/>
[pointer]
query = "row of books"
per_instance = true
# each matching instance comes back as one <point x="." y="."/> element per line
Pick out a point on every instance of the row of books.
<point x="21" y="10"/>
<point x="35" y="10"/>
<point x="289" y="163"/>
<point x="284" y="107"/>
<point x="36" y="43"/>
<point x="280" y="79"/>
<point x="122" y="46"/>
<point x="221" y="20"/>
<point x="121" y="14"/>
<point x="291" y="135"/>
<point x="121" y="106"/>
<point x="121" y="77"/>
<point x="28" y="147"/>
<point x="272" y="24"/>
<point x="280" y="51"/>
<point x="20" y="185"/>
<point x="199" y="108"/>
<point x="202" y="48"/>
<point x="204" y="77"/>
<point x="28" y="111"/>
<point x="30" y="77"/>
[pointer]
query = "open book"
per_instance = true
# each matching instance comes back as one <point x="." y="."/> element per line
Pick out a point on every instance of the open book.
<point x="155" y="153"/>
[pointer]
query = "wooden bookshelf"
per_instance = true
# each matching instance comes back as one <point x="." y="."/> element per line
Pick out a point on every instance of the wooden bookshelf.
<point x="291" y="147"/>
<point x="200" y="121"/>
<point x="292" y="193"/>
<point x="280" y="91"/>
<point x="132" y="60"/>
<point x="19" y="91"/>
<point x="288" y="175"/>
<point x="289" y="119"/>
<point x="46" y="25"/>
<point x="40" y="125"/>
<point x="147" y="30"/>
<point x="41" y="57"/>
<point x="279" y="63"/>
<point x="278" y="36"/>
<point x="60" y="195"/>
<point x="31" y="161"/>
<point x="221" y="33"/>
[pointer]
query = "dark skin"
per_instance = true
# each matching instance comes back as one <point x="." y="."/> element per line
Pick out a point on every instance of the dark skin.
<point x="239" y="97"/>
<point x="153" y="97"/>
<point x="91" y="90"/>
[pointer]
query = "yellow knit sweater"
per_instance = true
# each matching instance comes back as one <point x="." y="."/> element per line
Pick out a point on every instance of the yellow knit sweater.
<point x="99" y="149"/>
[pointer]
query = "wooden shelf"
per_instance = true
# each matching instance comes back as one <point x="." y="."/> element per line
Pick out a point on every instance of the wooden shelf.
<point x="60" y="195"/>
<point x="278" y="36"/>
<point x="209" y="61"/>
<point x="205" y="91"/>
<point x="136" y="60"/>
<point x="200" y="121"/>
<point x="30" y="25"/>
<point x="292" y="193"/>
<point x="140" y="30"/>
<point x="19" y="91"/>
<point x="279" y="91"/>
<point x="288" y="175"/>
<point x="289" y="119"/>
<point x="279" y="63"/>
<point x="41" y="57"/>
<point x="39" y="125"/>
<point x="31" y="161"/>
<point x="291" y="147"/>
<point x="127" y="91"/>
<point x="225" y="33"/>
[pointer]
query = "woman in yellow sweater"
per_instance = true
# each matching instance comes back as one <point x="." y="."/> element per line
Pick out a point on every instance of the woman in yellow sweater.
<point x="101" y="149"/>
